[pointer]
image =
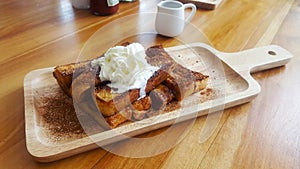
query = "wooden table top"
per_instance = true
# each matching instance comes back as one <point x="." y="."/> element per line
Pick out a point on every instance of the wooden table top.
<point x="264" y="133"/>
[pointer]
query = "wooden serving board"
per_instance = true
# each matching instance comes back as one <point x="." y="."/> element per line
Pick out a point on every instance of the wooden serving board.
<point x="204" y="4"/>
<point x="230" y="84"/>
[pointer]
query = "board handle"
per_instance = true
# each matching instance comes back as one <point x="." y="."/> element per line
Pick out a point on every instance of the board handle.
<point x="257" y="59"/>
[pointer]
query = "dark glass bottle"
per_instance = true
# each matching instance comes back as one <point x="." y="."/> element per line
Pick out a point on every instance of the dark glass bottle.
<point x="104" y="7"/>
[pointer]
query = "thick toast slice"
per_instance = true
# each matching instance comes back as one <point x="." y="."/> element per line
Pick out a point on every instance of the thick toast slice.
<point x="136" y="111"/>
<point x="64" y="74"/>
<point x="184" y="82"/>
<point x="110" y="103"/>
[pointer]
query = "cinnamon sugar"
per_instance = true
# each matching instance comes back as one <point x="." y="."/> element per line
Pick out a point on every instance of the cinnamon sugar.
<point x="206" y="92"/>
<point x="57" y="115"/>
<point x="209" y="94"/>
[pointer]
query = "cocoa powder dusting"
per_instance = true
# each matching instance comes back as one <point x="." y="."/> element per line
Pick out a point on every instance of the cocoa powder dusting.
<point x="208" y="94"/>
<point x="58" y="116"/>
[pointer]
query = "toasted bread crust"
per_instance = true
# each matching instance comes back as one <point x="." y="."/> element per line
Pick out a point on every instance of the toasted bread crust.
<point x="65" y="74"/>
<point x="184" y="82"/>
<point x="161" y="96"/>
<point x="119" y="118"/>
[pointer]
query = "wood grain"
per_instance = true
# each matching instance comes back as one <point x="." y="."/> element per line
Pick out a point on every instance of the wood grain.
<point x="261" y="134"/>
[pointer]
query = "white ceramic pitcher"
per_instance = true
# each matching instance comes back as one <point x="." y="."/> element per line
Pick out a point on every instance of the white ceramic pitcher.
<point x="170" y="18"/>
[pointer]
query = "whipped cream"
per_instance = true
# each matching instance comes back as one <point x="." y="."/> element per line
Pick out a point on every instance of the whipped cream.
<point x="126" y="68"/>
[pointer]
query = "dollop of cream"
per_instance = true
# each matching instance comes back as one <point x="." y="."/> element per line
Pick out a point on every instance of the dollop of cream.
<point x="126" y="68"/>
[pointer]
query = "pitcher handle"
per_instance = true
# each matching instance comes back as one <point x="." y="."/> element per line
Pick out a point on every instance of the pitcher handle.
<point x="191" y="15"/>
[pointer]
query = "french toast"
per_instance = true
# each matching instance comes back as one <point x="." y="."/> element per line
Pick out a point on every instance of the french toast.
<point x="64" y="74"/>
<point x="171" y="82"/>
<point x="182" y="81"/>
<point x="110" y="103"/>
<point x="159" y="98"/>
